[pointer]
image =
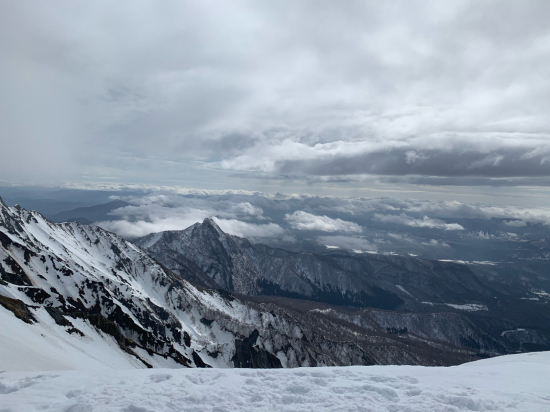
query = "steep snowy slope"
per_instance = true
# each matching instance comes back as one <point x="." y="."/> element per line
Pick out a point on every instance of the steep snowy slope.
<point x="97" y="277"/>
<point x="74" y="295"/>
<point x="508" y="383"/>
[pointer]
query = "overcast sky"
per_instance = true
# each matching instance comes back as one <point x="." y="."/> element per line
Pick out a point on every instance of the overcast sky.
<point x="443" y="99"/>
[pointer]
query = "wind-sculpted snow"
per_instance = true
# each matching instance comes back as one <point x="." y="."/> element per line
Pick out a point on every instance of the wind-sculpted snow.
<point x="508" y="383"/>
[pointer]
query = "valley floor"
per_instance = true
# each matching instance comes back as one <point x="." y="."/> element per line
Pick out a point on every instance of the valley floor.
<point x="507" y="383"/>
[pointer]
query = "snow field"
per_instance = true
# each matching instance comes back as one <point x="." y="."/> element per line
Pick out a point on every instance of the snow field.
<point x="508" y="383"/>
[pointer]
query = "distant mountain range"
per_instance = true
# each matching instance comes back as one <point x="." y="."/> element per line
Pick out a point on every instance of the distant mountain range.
<point x="405" y="287"/>
<point x="337" y="277"/>
<point x="72" y="293"/>
<point x="89" y="214"/>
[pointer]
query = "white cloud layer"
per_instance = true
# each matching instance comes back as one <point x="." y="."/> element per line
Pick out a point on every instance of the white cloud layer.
<point x="250" y="214"/>
<point x="438" y="243"/>
<point x="460" y="209"/>
<point x="515" y="223"/>
<point x="249" y="230"/>
<point x="301" y="220"/>
<point x="426" y="222"/>
<point x="346" y="242"/>
<point x="134" y="229"/>
<point x="160" y="212"/>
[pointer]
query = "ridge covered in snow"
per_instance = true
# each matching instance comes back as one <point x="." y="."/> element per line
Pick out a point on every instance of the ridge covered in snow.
<point x="408" y="296"/>
<point x="73" y="295"/>
<point x="73" y="278"/>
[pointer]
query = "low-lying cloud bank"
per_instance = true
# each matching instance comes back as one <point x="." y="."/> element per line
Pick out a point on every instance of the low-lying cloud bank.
<point x="249" y="230"/>
<point x="346" y="242"/>
<point x="427" y="222"/>
<point x="161" y="212"/>
<point x="301" y="220"/>
<point x="434" y="242"/>
<point x="515" y="223"/>
<point x="312" y="223"/>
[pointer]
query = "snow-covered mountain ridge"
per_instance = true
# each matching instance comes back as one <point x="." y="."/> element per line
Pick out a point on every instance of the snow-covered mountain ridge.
<point x="96" y="276"/>
<point x="73" y="295"/>
<point x="236" y="265"/>
<point x="444" y="301"/>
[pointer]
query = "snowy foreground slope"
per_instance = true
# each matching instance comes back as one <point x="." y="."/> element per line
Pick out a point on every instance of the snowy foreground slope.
<point x="508" y="383"/>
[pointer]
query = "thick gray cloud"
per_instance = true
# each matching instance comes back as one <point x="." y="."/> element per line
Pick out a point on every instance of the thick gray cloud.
<point x="451" y="161"/>
<point x="200" y="93"/>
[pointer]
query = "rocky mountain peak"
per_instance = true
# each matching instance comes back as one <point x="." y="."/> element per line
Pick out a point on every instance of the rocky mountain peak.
<point x="210" y="222"/>
<point x="208" y="225"/>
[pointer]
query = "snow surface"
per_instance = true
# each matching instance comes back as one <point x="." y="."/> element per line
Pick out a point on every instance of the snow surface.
<point x="470" y="307"/>
<point x="508" y="383"/>
<point x="402" y="289"/>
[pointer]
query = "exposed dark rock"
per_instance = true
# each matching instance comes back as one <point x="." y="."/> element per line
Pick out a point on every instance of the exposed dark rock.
<point x="199" y="363"/>
<point x="16" y="275"/>
<point x="19" y="309"/>
<point x="247" y="355"/>
<point x="27" y="253"/>
<point x="37" y="295"/>
<point x="5" y="240"/>
<point x="206" y="322"/>
<point x="186" y="339"/>
<point x="57" y="316"/>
